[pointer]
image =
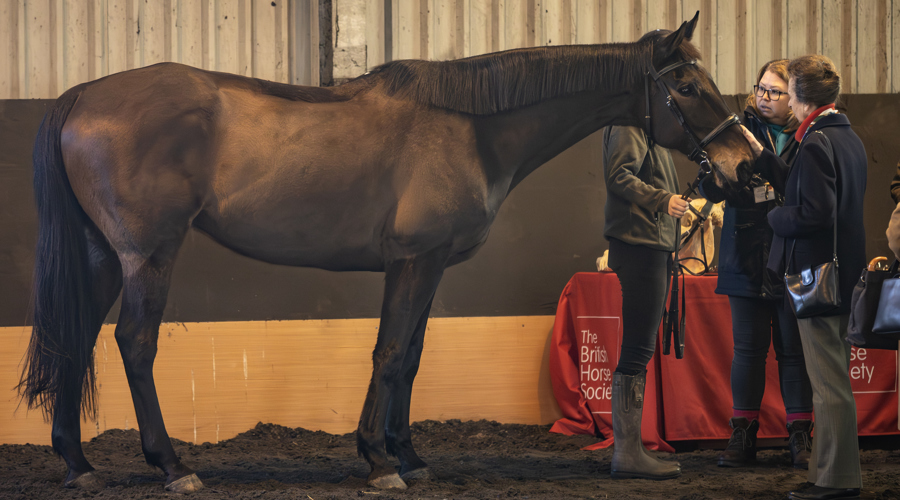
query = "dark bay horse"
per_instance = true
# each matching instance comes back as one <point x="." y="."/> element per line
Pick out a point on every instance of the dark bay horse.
<point x="401" y="170"/>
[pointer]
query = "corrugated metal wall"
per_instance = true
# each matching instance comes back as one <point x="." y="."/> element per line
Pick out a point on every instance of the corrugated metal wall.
<point x="735" y="36"/>
<point x="46" y="46"/>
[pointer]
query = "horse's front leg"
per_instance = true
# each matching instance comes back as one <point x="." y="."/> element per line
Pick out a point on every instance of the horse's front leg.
<point x="408" y="289"/>
<point x="397" y="434"/>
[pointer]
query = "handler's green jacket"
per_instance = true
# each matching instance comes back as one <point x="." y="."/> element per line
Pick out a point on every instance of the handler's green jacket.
<point x="639" y="182"/>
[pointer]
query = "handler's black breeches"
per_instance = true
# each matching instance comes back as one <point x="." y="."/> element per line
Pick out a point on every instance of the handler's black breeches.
<point x="643" y="274"/>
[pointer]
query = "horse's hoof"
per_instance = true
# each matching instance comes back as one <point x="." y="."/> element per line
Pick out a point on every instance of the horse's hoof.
<point x="87" y="481"/>
<point x="186" y="484"/>
<point x="391" y="481"/>
<point x="423" y="473"/>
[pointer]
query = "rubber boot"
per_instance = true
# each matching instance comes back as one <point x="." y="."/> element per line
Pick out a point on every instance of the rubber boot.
<point x="800" y="442"/>
<point x="630" y="458"/>
<point x="741" y="449"/>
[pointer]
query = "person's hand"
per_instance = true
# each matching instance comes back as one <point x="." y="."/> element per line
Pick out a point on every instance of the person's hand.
<point x="755" y="146"/>
<point x="678" y="206"/>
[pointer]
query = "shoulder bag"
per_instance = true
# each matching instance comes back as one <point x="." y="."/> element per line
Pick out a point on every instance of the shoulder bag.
<point x="814" y="291"/>
<point x="887" y="319"/>
<point x="864" y="307"/>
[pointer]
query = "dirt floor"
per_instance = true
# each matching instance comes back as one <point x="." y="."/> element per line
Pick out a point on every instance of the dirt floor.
<point x="468" y="460"/>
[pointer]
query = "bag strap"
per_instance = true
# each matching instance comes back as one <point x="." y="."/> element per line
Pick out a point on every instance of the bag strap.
<point x="834" y="247"/>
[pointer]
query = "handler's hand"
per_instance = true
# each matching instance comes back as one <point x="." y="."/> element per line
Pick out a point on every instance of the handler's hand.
<point x="755" y="146"/>
<point x="678" y="206"/>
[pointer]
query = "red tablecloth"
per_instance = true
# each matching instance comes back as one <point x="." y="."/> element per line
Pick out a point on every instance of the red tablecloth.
<point x="690" y="398"/>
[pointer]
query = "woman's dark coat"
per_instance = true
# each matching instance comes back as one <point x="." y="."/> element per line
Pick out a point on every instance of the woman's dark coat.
<point x="746" y="234"/>
<point x="830" y="171"/>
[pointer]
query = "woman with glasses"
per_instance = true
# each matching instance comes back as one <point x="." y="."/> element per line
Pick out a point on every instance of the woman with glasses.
<point x="822" y="221"/>
<point x="759" y="315"/>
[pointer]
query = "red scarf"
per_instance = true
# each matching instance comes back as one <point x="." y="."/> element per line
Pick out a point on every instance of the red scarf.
<point x="801" y="132"/>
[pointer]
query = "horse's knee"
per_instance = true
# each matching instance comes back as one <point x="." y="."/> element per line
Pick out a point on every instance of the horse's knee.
<point x="387" y="365"/>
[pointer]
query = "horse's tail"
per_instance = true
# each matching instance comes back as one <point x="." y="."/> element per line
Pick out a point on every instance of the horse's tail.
<point x="60" y="357"/>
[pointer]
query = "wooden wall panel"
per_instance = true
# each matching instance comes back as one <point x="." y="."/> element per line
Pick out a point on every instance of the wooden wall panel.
<point x="875" y="16"/>
<point x="894" y="69"/>
<point x="215" y="380"/>
<point x="48" y="46"/>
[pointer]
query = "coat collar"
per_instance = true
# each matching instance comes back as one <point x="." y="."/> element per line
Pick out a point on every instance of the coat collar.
<point x="833" y="120"/>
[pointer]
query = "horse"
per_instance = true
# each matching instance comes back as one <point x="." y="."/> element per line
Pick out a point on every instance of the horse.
<point x="401" y="170"/>
<point x="697" y="252"/>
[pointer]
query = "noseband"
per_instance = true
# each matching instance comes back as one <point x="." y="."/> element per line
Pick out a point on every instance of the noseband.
<point x="699" y="154"/>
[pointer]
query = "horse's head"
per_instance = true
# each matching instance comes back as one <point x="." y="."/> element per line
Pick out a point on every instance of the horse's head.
<point x="686" y="111"/>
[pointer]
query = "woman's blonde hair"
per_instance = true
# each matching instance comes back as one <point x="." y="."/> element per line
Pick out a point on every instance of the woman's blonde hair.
<point x="780" y="68"/>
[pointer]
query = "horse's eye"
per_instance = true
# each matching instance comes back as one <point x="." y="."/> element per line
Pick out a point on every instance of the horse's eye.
<point x="687" y="90"/>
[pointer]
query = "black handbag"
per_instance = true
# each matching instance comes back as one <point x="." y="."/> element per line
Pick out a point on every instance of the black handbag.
<point x="814" y="291"/>
<point x="864" y="307"/>
<point x="887" y="319"/>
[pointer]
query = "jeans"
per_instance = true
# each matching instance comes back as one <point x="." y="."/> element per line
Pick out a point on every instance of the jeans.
<point x="756" y="323"/>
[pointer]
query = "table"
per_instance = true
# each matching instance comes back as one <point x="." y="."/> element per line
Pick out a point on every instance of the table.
<point x="690" y="398"/>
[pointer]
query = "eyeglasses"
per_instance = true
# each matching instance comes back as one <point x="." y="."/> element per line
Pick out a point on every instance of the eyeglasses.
<point x="774" y="95"/>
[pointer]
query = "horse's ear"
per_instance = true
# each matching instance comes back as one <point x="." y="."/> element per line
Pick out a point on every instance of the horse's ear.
<point x="670" y="44"/>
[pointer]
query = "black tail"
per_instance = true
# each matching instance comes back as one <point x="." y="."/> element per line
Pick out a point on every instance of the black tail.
<point x="60" y="359"/>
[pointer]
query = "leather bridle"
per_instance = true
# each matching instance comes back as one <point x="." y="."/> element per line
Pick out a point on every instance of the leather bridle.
<point x="673" y="326"/>
<point x="699" y="153"/>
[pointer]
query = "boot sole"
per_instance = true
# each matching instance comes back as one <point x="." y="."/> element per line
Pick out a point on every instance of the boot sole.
<point x="635" y="475"/>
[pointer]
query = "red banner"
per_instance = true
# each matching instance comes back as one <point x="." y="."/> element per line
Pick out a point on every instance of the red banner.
<point x="690" y="398"/>
<point x="587" y="338"/>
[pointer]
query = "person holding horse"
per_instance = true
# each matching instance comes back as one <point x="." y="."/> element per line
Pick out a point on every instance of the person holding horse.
<point x="821" y="221"/>
<point x="641" y="226"/>
<point x="759" y="315"/>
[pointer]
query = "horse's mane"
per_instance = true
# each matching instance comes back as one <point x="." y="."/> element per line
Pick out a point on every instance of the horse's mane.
<point x="493" y="83"/>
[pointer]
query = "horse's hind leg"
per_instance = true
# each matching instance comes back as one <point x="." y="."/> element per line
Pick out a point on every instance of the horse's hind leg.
<point x="397" y="435"/>
<point x="106" y="280"/>
<point x="146" y="288"/>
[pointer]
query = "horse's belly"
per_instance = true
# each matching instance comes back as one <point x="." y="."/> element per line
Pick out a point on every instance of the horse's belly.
<point x="334" y="249"/>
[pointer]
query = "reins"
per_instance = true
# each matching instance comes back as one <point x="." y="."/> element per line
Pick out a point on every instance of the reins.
<point x="672" y="324"/>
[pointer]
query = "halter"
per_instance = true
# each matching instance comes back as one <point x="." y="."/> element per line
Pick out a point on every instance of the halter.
<point x="699" y="154"/>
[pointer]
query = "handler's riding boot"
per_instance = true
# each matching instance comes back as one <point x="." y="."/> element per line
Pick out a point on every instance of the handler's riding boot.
<point x="630" y="458"/>
<point x="800" y="442"/>
<point x="741" y="449"/>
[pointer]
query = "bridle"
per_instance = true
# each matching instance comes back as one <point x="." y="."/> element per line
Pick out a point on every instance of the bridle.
<point x="699" y="153"/>
<point x="673" y="326"/>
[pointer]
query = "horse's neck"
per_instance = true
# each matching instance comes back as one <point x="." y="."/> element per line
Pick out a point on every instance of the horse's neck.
<point x="522" y="140"/>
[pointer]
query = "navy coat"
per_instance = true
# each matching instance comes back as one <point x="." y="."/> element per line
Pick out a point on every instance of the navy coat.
<point x="830" y="171"/>
<point x="746" y="234"/>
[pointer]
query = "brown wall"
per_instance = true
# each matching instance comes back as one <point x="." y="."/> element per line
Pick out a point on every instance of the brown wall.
<point x="549" y="228"/>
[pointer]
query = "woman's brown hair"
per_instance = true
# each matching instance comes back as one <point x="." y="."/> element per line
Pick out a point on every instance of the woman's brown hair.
<point x="780" y="68"/>
<point x="816" y="80"/>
